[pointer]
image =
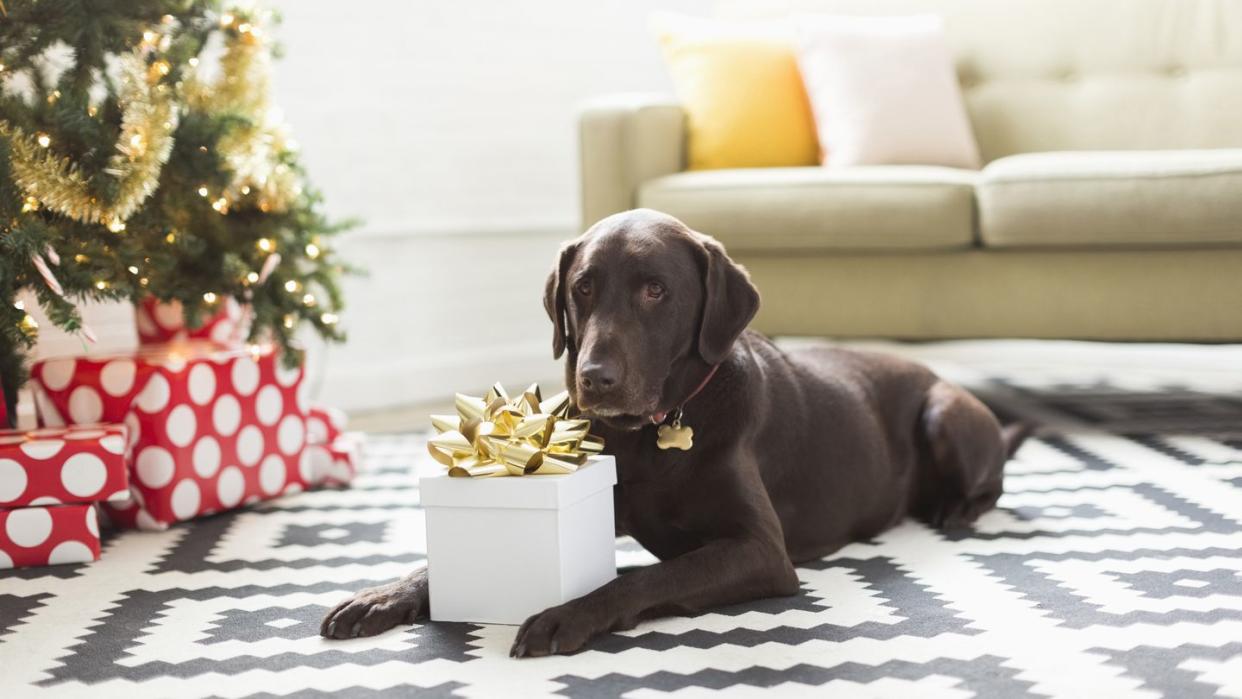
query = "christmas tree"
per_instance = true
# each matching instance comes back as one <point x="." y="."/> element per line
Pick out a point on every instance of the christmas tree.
<point x="128" y="170"/>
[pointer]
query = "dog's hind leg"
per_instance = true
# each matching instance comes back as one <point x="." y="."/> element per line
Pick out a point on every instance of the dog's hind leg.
<point x="963" y="453"/>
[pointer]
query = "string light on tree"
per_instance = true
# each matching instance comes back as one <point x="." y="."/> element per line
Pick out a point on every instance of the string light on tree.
<point x="101" y="188"/>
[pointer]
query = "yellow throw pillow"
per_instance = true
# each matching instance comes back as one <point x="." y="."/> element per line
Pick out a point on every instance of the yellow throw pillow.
<point x="743" y="95"/>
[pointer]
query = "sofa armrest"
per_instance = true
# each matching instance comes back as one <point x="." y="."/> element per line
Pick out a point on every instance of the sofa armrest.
<point x="625" y="140"/>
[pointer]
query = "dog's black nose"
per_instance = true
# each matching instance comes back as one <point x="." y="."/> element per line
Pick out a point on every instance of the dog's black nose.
<point x="597" y="377"/>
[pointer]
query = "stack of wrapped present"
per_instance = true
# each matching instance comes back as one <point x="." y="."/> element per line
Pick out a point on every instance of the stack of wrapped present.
<point x="207" y="425"/>
<point x="50" y="480"/>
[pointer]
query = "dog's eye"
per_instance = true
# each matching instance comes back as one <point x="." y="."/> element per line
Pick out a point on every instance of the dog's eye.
<point x="655" y="290"/>
<point x="583" y="287"/>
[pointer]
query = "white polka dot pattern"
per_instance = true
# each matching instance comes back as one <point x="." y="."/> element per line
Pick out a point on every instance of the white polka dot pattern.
<point x="133" y="428"/>
<point x="250" y="445"/>
<point x="155" y="467"/>
<point x="272" y="474"/>
<point x="117" y="377"/>
<point x="230" y="487"/>
<point x="245" y="375"/>
<point x="114" y="443"/>
<point x="42" y="449"/>
<point x="85" y="406"/>
<point x="287" y="376"/>
<point x="92" y="521"/>
<point x="202" y="384"/>
<point x="268" y="405"/>
<point x="226" y="415"/>
<point x="12" y="480"/>
<point x="316" y="430"/>
<point x="84" y="475"/>
<point x="144" y="521"/>
<point x="29" y="526"/>
<point x="185" y="499"/>
<point x="206" y="457"/>
<point x="168" y="315"/>
<point x="181" y="425"/>
<point x="57" y="373"/>
<point x="222" y="332"/>
<point x="155" y="395"/>
<point x="290" y="435"/>
<point x="70" y="552"/>
<point x="314" y="463"/>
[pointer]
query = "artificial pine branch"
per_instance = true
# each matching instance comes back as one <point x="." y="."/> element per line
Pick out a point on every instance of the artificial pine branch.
<point x="231" y="193"/>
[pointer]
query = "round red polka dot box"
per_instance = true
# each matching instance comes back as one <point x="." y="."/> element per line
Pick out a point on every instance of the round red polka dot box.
<point x="211" y="428"/>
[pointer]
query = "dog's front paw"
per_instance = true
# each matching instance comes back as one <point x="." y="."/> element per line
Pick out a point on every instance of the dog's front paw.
<point x="377" y="609"/>
<point x="564" y="629"/>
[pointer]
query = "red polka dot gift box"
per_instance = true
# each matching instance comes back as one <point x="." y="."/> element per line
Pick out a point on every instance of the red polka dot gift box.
<point x="160" y="322"/>
<point x="57" y="465"/>
<point x="334" y="452"/>
<point x="211" y="428"/>
<point x="40" y="536"/>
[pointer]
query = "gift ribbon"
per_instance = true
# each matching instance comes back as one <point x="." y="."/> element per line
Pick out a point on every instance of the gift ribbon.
<point x="495" y="435"/>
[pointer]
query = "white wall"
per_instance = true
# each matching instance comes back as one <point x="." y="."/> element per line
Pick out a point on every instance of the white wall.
<point x="449" y="127"/>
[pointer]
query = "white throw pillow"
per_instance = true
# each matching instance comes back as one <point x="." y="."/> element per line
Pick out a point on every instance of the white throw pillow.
<point x="884" y="92"/>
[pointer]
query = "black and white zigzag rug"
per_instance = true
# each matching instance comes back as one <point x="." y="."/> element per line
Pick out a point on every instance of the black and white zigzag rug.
<point x="1113" y="567"/>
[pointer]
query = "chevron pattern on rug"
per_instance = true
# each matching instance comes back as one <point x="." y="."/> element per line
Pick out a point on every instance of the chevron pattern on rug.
<point x="1112" y="567"/>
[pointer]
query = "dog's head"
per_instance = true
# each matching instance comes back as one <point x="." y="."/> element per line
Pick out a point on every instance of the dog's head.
<point x="634" y="301"/>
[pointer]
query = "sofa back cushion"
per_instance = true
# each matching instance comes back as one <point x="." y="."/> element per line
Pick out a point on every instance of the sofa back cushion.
<point x="1047" y="75"/>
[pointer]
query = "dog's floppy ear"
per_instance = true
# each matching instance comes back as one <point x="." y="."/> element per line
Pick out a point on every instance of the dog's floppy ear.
<point x="729" y="301"/>
<point x="554" y="298"/>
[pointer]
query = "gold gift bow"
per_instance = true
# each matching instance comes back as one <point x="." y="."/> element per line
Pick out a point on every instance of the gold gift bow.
<point x="496" y="435"/>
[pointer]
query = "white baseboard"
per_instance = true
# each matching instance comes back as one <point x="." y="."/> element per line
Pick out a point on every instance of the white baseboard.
<point x="442" y="313"/>
<point x="408" y="381"/>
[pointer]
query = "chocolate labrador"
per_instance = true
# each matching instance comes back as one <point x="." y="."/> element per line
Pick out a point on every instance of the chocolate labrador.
<point x="736" y="459"/>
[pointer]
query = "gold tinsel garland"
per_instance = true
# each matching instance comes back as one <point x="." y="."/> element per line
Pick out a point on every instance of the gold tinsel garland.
<point x="254" y="153"/>
<point x="148" y="119"/>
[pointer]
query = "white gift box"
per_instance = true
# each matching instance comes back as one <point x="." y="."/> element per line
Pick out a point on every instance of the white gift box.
<point x="502" y="549"/>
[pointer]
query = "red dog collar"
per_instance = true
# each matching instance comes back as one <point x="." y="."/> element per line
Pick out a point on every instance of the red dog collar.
<point x="660" y="417"/>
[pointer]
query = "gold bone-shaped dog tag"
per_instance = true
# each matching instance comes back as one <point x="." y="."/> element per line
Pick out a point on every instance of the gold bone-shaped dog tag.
<point x="675" y="436"/>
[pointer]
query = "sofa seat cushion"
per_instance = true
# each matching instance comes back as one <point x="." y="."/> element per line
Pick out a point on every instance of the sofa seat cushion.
<point x="1112" y="199"/>
<point x="814" y="208"/>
